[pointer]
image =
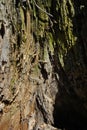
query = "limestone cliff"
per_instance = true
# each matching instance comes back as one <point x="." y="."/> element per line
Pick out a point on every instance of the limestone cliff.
<point x="43" y="66"/>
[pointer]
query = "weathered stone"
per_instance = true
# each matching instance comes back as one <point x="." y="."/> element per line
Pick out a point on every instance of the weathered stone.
<point x="43" y="67"/>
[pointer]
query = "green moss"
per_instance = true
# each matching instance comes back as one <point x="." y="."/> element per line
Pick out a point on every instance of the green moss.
<point x="65" y="37"/>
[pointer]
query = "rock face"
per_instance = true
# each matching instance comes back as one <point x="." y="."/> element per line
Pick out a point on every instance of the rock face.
<point x="43" y="67"/>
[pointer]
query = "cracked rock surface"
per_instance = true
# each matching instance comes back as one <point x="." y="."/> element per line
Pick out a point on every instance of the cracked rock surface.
<point x="43" y="66"/>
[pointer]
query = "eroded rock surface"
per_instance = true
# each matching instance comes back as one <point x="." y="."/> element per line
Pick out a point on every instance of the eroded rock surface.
<point x="43" y="67"/>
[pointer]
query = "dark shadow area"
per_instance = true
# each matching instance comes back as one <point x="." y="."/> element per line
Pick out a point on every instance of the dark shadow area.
<point x="2" y="30"/>
<point x="70" y="111"/>
<point x="70" y="104"/>
<point x="43" y="71"/>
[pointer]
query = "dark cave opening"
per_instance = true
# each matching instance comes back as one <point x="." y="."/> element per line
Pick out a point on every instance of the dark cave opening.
<point x="69" y="117"/>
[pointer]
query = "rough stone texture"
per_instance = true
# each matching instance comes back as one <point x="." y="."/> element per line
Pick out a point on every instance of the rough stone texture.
<point x="43" y="67"/>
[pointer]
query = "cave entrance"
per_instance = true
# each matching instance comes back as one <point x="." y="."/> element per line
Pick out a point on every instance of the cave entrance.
<point x="67" y="117"/>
